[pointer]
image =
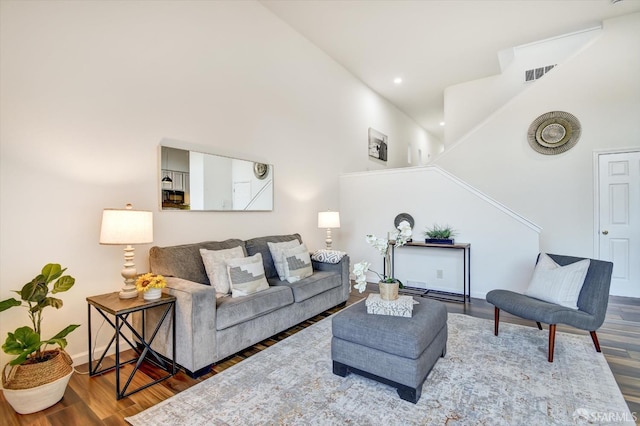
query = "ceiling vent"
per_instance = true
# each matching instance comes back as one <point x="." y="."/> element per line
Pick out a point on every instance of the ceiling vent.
<point x="536" y="73"/>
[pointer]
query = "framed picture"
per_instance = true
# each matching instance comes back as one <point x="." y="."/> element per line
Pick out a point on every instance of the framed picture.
<point x="377" y="145"/>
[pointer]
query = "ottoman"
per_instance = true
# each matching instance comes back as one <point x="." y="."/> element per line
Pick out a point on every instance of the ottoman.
<point x="397" y="351"/>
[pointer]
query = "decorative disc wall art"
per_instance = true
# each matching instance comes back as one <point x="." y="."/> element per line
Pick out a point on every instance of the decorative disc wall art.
<point x="554" y="132"/>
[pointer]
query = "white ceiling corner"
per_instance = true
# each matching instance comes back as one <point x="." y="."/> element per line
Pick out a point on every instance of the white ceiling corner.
<point x="433" y="44"/>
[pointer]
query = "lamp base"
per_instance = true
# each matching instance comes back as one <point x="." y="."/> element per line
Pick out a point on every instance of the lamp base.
<point x="128" y="292"/>
<point x="328" y="240"/>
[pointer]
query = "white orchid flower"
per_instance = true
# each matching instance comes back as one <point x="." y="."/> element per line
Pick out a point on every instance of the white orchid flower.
<point x="404" y="228"/>
<point x="360" y="270"/>
<point x="360" y="285"/>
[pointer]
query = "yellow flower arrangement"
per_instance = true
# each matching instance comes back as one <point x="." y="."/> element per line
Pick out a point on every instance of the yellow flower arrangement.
<point x="149" y="280"/>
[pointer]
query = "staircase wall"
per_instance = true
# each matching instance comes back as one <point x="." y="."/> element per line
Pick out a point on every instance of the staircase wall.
<point x="600" y="86"/>
<point x="504" y="245"/>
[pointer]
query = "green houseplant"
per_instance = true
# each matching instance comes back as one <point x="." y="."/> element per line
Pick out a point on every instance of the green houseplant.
<point x="439" y="234"/>
<point x="35" y="367"/>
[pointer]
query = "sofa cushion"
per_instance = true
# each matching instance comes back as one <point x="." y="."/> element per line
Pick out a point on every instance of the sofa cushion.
<point x="216" y="266"/>
<point x="306" y="288"/>
<point x="259" y="245"/>
<point x="246" y="275"/>
<point x="184" y="261"/>
<point x="232" y="311"/>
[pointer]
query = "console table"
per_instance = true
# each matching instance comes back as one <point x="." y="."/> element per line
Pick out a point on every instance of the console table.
<point x="465" y="249"/>
<point x="121" y="309"/>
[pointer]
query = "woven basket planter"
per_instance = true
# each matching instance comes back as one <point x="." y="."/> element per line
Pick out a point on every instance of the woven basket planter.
<point x="33" y="387"/>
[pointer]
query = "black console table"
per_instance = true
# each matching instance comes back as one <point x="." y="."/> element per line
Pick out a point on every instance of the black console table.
<point x="465" y="297"/>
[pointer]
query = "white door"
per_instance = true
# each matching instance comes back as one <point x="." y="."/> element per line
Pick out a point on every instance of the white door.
<point x="241" y="195"/>
<point x="619" y="219"/>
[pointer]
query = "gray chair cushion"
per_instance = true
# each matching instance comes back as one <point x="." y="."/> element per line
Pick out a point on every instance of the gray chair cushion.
<point x="259" y="245"/>
<point x="235" y="310"/>
<point x="185" y="261"/>
<point x="306" y="288"/>
<point x="538" y="310"/>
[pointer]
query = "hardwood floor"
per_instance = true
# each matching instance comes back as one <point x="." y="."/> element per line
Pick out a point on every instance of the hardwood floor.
<point x="91" y="401"/>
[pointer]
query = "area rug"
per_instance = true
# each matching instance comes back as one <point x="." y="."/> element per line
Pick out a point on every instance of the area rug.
<point x="483" y="380"/>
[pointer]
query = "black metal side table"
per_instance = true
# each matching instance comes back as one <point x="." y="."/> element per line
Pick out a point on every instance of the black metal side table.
<point x="121" y="309"/>
<point x="465" y="249"/>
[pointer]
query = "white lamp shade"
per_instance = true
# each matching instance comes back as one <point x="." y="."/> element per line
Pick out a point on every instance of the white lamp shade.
<point x="121" y="226"/>
<point x="329" y="219"/>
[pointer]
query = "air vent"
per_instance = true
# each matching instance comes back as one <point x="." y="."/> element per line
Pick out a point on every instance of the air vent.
<point x="536" y="73"/>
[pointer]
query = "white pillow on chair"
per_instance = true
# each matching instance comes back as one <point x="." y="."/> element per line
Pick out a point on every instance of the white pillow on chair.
<point x="558" y="284"/>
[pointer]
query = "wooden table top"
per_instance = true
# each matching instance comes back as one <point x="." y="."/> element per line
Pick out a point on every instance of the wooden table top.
<point x="112" y="303"/>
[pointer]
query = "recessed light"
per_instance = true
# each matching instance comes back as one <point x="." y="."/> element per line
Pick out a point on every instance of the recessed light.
<point x="442" y="123"/>
<point x="397" y="80"/>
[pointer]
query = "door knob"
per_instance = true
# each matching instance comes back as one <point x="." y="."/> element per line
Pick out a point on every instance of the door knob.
<point x="605" y="232"/>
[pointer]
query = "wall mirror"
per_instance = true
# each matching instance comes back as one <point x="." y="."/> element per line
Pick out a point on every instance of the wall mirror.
<point x="191" y="180"/>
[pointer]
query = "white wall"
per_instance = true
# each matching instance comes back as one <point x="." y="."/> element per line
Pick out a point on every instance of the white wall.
<point x="89" y="89"/>
<point x="491" y="93"/>
<point x="600" y="86"/>
<point x="503" y="245"/>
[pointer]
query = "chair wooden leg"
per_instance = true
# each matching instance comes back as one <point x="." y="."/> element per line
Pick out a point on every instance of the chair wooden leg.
<point x="539" y="325"/>
<point x="552" y="341"/>
<point x="594" y="337"/>
<point x="496" y="315"/>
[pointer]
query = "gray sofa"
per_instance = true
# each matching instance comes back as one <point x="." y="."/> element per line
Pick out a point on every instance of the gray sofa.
<point x="209" y="329"/>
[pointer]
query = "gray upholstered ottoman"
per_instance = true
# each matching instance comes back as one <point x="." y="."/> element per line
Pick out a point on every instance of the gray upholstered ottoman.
<point x="396" y="351"/>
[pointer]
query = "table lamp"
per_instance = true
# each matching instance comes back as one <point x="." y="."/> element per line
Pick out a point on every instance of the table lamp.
<point x="328" y="220"/>
<point x="127" y="227"/>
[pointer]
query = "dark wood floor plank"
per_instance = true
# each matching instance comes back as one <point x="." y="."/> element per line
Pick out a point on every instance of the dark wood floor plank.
<point x="92" y="400"/>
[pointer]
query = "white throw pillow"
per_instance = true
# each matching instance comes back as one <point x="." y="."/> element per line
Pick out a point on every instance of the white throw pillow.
<point x="216" y="267"/>
<point x="276" y="250"/>
<point x="297" y="263"/>
<point x="558" y="284"/>
<point x="246" y="275"/>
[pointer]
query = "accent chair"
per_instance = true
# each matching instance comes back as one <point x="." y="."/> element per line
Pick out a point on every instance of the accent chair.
<point x="592" y="303"/>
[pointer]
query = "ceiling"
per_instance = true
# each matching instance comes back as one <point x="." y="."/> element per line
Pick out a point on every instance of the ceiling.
<point x="433" y="44"/>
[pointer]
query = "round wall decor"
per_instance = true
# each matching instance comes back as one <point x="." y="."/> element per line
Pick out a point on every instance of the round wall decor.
<point x="554" y="132"/>
<point x="260" y="170"/>
<point x="404" y="216"/>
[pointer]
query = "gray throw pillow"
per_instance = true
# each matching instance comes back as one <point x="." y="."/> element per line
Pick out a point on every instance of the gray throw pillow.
<point x="277" y="250"/>
<point x="246" y="275"/>
<point x="297" y="263"/>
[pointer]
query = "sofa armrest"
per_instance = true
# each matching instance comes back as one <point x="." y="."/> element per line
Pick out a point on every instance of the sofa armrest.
<point x="195" y="324"/>
<point x="342" y="267"/>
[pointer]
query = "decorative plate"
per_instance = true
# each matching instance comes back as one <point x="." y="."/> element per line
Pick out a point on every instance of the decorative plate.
<point x="404" y="216"/>
<point x="260" y="170"/>
<point x="554" y="132"/>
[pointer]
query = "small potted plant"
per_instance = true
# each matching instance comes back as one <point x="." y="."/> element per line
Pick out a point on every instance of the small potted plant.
<point x="38" y="377"/>
<point x="439" y="234"/>
<point x="151" y="285"/>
